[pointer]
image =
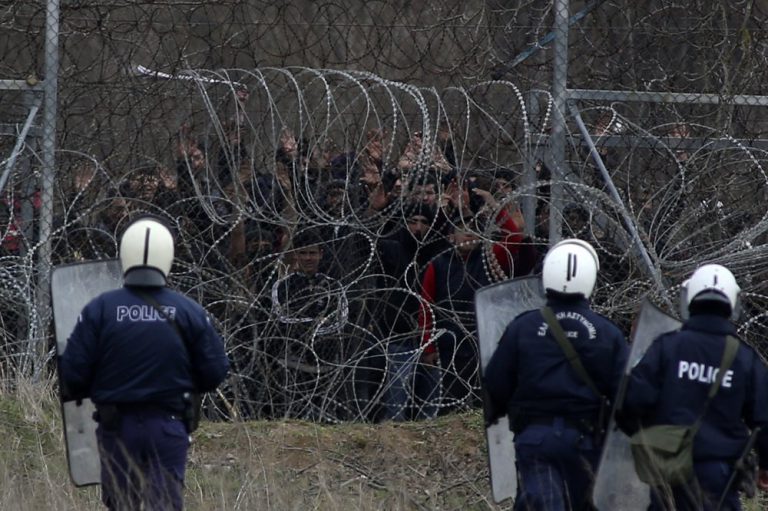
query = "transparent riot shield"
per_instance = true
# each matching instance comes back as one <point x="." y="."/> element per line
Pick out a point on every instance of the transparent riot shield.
<point x="72" y="287"/>
<point x="617" y="487"/>
<point x="496" y="306"/>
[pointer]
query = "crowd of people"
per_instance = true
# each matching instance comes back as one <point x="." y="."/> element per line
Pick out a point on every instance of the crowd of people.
<point x="364" y="276"/>
<point x="342" y="278"/>
<point x="357" y="264"/>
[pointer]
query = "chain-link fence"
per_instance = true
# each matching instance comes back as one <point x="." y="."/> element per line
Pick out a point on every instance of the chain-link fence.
<point x="315" y="157"/>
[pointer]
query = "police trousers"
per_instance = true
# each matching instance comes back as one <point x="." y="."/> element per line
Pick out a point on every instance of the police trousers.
<point x="555" y="464"/>
<point x="143" y="458"/>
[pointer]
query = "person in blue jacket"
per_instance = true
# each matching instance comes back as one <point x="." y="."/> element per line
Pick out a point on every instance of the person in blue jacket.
<point x="669" y="385"/>
<point x="138" y="352"/>
<point x="555" y="415"/>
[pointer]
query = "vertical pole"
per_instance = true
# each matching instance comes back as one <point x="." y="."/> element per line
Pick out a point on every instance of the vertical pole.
<point x="652" y="271"/>
<point x="528" y="202"/>
<point x="50" y="87"/>
<point x="557" y="139"/>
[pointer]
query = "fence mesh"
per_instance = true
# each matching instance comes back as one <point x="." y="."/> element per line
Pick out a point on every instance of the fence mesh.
<point x="312" y="158"/>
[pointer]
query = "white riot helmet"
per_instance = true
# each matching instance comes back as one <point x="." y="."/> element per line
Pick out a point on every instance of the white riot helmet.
<point x="711" y="282"/>
<point x="146" y="253"/>
<point x="571" y="267"/>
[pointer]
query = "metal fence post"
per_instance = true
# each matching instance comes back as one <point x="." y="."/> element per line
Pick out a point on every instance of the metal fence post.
<point x="557" y="140"/>
<point x="50" y="86"/>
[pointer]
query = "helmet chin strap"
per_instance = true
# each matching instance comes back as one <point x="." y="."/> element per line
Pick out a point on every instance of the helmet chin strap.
<point x="714" y="307"/>
<point x="712" y="302"/>
<point x="144" y="277"/>
<point x="559" y="295"/>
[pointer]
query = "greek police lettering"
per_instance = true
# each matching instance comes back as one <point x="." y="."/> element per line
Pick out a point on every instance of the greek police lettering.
<point x="571" y="334"/>
<point x="568" y="333"/>
<point x="143" y="313"/>
<point x="695" y="371"/>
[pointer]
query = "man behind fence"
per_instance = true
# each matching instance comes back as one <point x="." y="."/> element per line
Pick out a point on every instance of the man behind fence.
<point x="141" y="353"/>
<point x="672" y="385"/>
<point x="556" y="409"/>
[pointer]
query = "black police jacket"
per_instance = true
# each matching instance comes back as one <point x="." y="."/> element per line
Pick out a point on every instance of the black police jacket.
<point x="669" y="385"/>
<point x="122" y="350"/>
<point x="530" y="377"/>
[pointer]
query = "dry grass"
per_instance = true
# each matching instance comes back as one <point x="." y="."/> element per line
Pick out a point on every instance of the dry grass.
<point x="295" y="465"/>
<point x="439" y="464"/>
<point x="264" y="465"/>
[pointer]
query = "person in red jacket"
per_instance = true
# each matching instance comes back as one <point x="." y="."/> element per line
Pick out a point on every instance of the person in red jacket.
<point x="447" y="315"/>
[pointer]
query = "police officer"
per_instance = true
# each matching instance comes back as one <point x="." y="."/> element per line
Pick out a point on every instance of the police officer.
<point x="670" y="384"/>
<point x="137" y="352"/>
<point x="553" y="412"/>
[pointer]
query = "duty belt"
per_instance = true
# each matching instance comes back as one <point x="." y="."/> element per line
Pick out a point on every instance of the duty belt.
<point x="110" y="415"/>
<point x="158" y="408"/>
<point x="583" y="424"/>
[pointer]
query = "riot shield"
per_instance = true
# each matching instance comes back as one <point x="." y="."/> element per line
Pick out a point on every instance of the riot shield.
<point x="72" y="287"/>
<point x="617" y="487"/>
<point x="495" y="307"/>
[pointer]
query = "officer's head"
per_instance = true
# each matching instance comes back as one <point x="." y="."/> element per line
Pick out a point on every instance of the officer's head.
<point x="570" y="267"/>
<point x="146" y="253"/>
<point x="712" y="289"/>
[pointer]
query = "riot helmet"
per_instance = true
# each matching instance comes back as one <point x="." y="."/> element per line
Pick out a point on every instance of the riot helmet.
<point x="146" y="252"/>
<point x="571" y="267"/>
<point x="711" y="285"/>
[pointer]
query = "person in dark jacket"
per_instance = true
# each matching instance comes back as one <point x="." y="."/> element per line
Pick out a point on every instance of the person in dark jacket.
<point x="553" y="412"/>
<point x="669" y="385"/>
<point x="309" y="353"/>
<point x="448" y="285"/>
<point x="139" y="352"/>
<point x="397" y="313"/>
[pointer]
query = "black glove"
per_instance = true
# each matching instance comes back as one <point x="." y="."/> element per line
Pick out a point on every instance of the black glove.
<point x="490" y="415"/>
<point x="67" y="395"/>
